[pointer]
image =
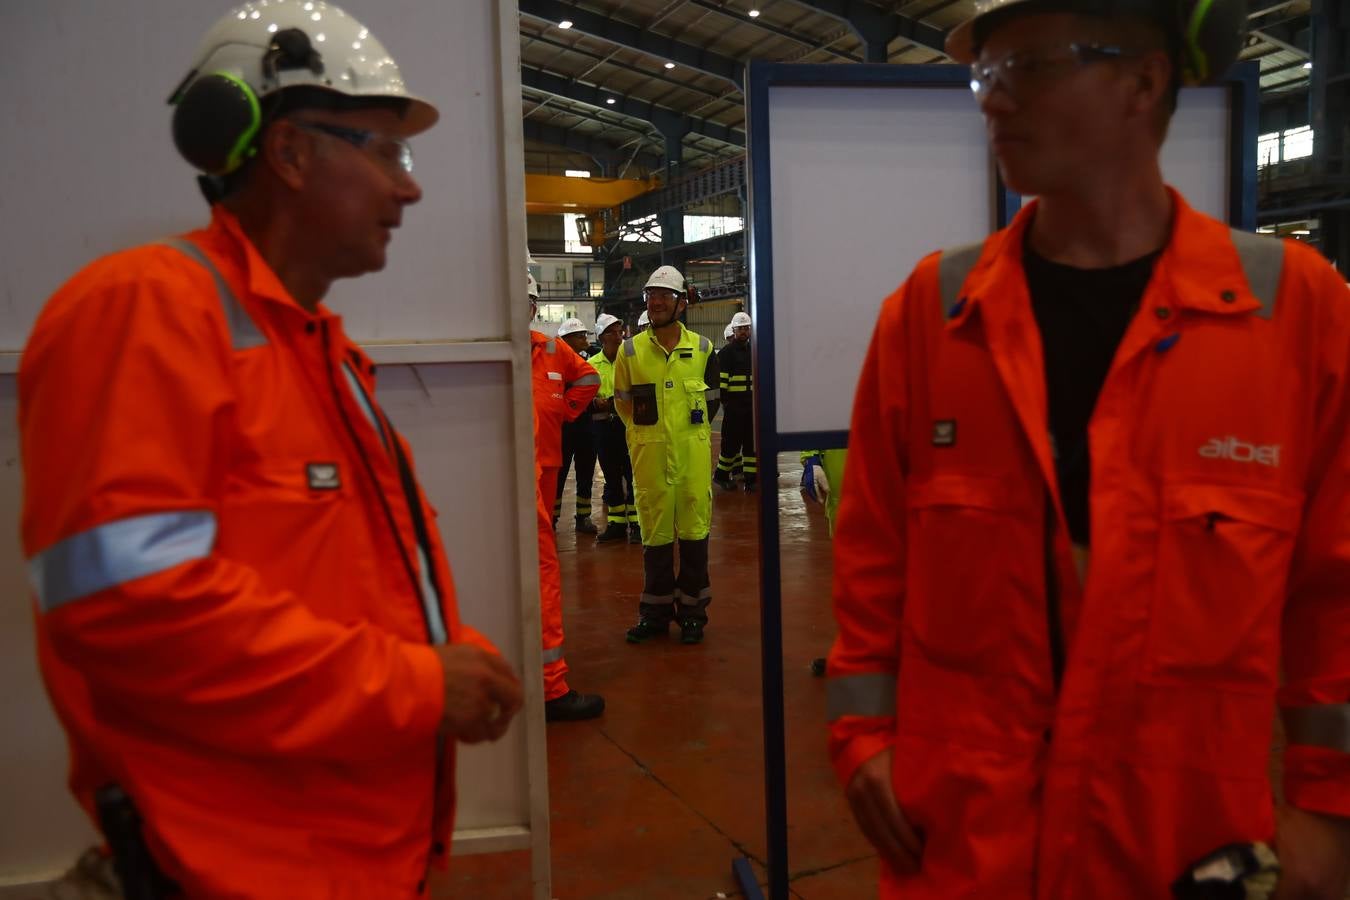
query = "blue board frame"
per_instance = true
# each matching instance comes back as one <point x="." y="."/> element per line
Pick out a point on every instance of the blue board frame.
<point x="1243" y="81"/>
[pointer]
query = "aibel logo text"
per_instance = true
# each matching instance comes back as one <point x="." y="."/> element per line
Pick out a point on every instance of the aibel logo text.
<point x="1231" y="448"/>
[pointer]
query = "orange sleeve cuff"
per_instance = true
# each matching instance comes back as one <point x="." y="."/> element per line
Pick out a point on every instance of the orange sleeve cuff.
<point x="428" y="683"/>
<point x="849" y="751"/>
<point x="468" y="635"/>
<point x="1317" y="779"/>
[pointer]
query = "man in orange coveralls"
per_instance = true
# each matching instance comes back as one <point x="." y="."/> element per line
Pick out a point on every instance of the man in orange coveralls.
<point x="245" y="617"/>
<point x="563" y="385"/>
<point x="1013" y="716"/>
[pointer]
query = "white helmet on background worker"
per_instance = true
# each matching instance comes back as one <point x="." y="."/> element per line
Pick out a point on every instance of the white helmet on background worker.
<point x="532" y="287"/>
<point x="666" y="277"/>
<point x="727" y="333"/>
<point x="739" y="320"/>
<point x="604" y="322"/>
<point x="644" y="320"/>
<point x="266" y="48"/>
<point x="571" y="326"/>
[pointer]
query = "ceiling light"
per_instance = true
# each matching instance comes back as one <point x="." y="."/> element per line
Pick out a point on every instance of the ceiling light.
<point x="754" y="14"/>
<point x="576" y="173"/>
<point x="609" y="100"/>
<point x="565" y="24"/>
<point x="670" y="65"/>
<point x="1307" y="65"/>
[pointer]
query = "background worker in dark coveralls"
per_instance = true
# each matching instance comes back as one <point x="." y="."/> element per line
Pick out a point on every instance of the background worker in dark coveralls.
<point x="610" y="442"/>
<point x="245" y="618"/>
<point x="562" y="384"/>
<point x="578" y="445"/>
<point x="1097" y="526"/>
<point x="738" y="408"/>
<point x="665" y="390"/>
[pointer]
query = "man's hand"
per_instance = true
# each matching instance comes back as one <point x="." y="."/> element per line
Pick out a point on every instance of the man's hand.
<point x="873" y="803"/>
<point x="482" y="693"/>
<point x="603" y="403"/>
<point x="1314" y="853"/>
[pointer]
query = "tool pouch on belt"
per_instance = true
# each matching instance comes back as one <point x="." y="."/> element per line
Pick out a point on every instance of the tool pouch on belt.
<point x="1234" y="872"/>
<point x="644" y="404"/>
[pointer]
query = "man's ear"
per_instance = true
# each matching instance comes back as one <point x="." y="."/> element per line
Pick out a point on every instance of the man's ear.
<point x="288" y="151"/>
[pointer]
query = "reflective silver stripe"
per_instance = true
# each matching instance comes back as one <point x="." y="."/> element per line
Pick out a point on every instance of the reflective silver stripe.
<point x="657" y="599"/>
<point x="1318" y="726"/>
<point x="703" y="594"/>
<point x="363" y="401"/>
<point x="118" y="552"/>
<point x="628" y="348"/>
<point x="431" y="601"/>
<point x="585" y="380"/>
<point x="860" y="695"/>
<point x="244" y="333"/>
<point x="1262" y="262"/>
<point x="712" y="394"/>
<point x="550" y="346"/>
<point x="552" y="654"/>
<point x="625" y="396"/>
<point x="953" y="269"/>
<point x="704" y="345"/>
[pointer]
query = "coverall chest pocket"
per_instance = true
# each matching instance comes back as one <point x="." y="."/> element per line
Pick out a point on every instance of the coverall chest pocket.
<point x="695" y="395"/>
<point x="645" y="410"/>
<point x="1219" y="583"/>
<point x="969" y="602"/>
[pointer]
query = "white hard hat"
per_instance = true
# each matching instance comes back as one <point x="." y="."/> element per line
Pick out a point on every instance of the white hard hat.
<point x="261" y="48"/>
<point x="666" y="277"/>
<point x="532" y="286"/>
<point x="727" y="334"/>
<point x="603" y="322"/>
<point x="571" y="326"/>
<point x="740" y="319"/>
<point x="644" y="319"/>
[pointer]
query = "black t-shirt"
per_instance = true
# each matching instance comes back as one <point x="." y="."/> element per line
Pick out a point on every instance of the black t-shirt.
<point x="1082" y="315"/>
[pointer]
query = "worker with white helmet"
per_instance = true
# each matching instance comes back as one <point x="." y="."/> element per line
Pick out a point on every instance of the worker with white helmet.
<point x="577" y="443"/>
<point x="246" y="619"/>
<point x="610" y="442"/>
<point x="643" y="322"/>
<point x="727" y="332"/>
<point x="563" y="385"/>
<point x="738" y="404"/>
<point x="1096" y="531"/>
<point x="665" y="385"/>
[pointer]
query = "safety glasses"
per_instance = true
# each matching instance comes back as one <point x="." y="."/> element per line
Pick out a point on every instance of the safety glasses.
<point x="392" y="152"/>
<point x="1023" y="70"/>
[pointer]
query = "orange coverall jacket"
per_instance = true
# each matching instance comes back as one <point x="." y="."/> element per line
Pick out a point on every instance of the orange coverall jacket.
<point x="229" y="587"/>
<point x="1218" y="586"/>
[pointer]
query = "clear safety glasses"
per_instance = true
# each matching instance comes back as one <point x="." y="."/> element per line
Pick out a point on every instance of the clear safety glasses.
<point x="1022" y="70"/>
<point x="392" y="152"/>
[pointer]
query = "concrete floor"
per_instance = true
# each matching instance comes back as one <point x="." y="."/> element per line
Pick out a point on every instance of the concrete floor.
<point x="656" y="798"/>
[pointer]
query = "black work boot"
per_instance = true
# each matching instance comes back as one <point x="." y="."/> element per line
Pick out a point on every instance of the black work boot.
<point x="634" y="534"/>
<point x="615" y="531"/>
<point x="585" y="525"/>
<point x="573" y="707"/>
<point x="691" y="631"/>
<point x="648" y="627"/>
<point x="724" y="481"/>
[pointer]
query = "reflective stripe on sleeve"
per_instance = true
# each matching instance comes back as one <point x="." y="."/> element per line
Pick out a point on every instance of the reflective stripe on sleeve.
<point x="712" y="394"/>
<point x="859" y="695"/>
<point x="1318" y="726"/>
<point x="1262" y="259"/>
<point x="585" y="380"/>
<point x="953" y="268"/>
<point x="552" y="654"/>
<point x="117" y="552"/>
<point x="628" y="348"/>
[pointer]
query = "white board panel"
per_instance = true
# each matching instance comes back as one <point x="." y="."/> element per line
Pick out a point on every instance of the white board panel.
<point x="1195" y="158"/>
<point x="865" y="181"/>
<point x="90" y="167"/>
<point x="463" y="464"/>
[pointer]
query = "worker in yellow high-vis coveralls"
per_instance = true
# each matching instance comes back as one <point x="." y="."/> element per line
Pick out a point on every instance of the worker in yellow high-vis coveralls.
<point x="665" y="390"/>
